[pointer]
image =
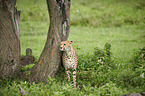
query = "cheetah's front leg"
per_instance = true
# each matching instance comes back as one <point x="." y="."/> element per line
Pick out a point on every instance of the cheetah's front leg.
<point x="67" y="72"/>
<point x="74" y="77"/>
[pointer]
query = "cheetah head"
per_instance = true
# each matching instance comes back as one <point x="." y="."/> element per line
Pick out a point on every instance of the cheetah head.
<point x="66" y="45"/>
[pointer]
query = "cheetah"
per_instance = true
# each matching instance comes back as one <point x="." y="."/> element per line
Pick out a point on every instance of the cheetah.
<point x="69" y="59"/>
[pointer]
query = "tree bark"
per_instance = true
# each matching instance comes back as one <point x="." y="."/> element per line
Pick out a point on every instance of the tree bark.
<point x="50" y="59"/>
<point x="9" y="39"/>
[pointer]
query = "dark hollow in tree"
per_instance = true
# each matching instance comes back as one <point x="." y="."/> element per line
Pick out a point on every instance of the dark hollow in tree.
<point x="9" y="39"/>
<point x="50" y="59"/>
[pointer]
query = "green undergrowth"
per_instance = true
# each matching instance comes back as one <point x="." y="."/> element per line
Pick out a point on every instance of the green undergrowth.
<point x="97" y="74"/>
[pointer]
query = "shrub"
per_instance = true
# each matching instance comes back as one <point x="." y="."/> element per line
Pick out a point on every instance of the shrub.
<point x="94" y="67"/>
<point x="101" y="57"/>
<point x="133" y="76"/>
<point x="96" y="75"/>
<point x="139" y="58"/>
<point x="27" y="67"/>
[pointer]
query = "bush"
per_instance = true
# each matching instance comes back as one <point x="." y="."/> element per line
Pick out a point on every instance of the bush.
<point x="139" y="59"/>
<point x="133" y="76"/>
<point x="94" y="67"/>
<point x="100" y="70"/>
<point x="128" y="78"/>
<point x="96" y="75"/>
<point x="101" y="57"/>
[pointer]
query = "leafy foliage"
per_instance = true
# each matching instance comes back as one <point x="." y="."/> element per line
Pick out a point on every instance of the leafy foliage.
<point x="27" y="67"/>
<point x="94" y="77"/>
<point x="139" y="58"/>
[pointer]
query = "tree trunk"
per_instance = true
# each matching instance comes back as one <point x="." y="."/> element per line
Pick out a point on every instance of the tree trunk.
<point x="9" y="39"/>
<point x="50" y="59"/>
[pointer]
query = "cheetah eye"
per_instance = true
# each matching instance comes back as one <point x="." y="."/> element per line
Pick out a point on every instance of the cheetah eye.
<point x="64" y="44"/>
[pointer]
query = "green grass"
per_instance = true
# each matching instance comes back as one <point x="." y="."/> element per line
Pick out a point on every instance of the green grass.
<point x="93" y="23"/>
<point x="123" y="39"/>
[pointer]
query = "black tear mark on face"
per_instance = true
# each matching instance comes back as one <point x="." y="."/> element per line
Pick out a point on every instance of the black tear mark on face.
<point x="12" y="60"/>
<point x="71" y="42"/>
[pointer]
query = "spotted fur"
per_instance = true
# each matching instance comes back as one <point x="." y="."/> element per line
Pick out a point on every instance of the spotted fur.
<point x="69" y="59"/>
